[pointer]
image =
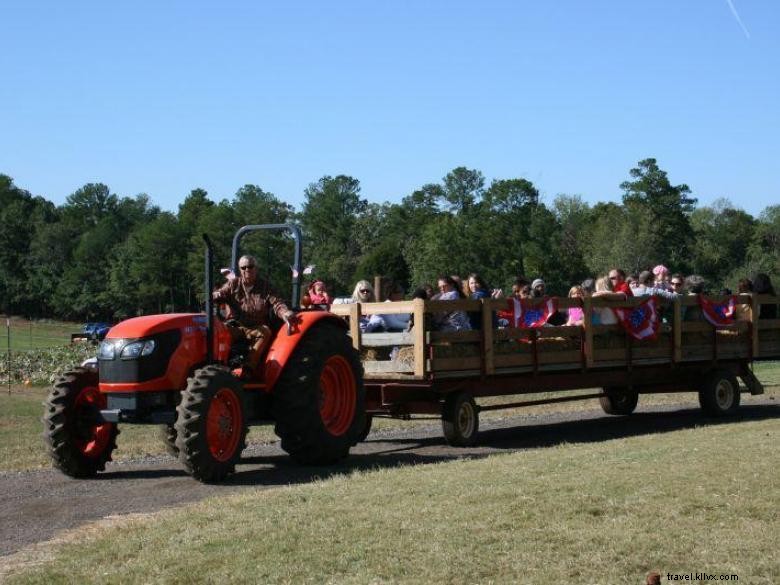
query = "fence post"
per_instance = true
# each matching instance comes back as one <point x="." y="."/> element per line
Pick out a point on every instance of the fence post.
<point x="8" y="336"/>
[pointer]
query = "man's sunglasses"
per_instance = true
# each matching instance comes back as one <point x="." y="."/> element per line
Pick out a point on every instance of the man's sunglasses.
<point x="247" y="267"/>
<point x="364" y="291"/>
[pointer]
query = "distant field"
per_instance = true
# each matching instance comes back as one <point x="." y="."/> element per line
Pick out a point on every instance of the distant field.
<point x="27" y="334"/>
<point x="21" y="445"/>
<point x="704" y="499"/>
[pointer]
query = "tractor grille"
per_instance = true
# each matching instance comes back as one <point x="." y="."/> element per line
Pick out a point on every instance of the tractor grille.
<point x="142" y="368"/>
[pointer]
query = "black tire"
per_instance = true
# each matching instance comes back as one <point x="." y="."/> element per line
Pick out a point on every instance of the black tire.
<point x="366" y="428"/>
<point x="460" y="420"/>
<point x="324" y="364"/>
<point x="168" y="436"/>
<point x="78" y="444"/>
<point x="719" y="394"/>
<point x="213" y="399"/>
<point x="619" y="401"/>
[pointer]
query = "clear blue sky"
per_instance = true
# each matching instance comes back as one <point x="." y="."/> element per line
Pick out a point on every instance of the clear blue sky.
<point x="163" y="97"/>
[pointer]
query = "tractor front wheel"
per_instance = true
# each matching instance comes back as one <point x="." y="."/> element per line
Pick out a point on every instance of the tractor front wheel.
<point x="211" y="424"/>
<point x="79" y="442"/>
<point x="318" y="402"/>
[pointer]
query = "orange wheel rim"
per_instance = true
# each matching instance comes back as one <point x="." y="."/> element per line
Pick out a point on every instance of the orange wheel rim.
<point x="223" y="424"/>
<point x="338" y="392"/>
<point x="91" y="438"/>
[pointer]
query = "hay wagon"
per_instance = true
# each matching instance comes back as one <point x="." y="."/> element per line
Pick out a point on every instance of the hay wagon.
<point x="428" y="372"/>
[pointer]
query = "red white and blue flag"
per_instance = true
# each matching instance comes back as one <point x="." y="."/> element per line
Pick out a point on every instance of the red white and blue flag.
<point x="719" y="314"/>
<point x="525" y="315"/>
<point x="642" y="321"/>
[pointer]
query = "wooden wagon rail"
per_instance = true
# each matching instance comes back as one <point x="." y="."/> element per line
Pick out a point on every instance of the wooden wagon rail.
<point x="423" y="354"/>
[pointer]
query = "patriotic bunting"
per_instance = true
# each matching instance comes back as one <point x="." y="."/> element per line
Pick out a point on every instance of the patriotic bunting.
<point x="642" y="321"/>
<point x="719" y="314"/>
<point x="525" y="315"/>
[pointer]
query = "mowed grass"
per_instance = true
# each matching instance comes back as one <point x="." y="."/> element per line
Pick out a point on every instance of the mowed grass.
<point x="703" y="499"/>
<point x="22" y="448"/>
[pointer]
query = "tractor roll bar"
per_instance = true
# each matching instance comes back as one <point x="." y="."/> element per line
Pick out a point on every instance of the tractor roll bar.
<point x="297" y="267"/>
<point x="209" y="303"/>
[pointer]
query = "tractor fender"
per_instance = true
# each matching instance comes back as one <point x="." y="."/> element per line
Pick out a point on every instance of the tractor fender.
<point x="285" y="343"/>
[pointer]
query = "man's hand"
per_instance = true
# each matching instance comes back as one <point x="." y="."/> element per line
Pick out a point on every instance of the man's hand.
<point x="291" y="319"/>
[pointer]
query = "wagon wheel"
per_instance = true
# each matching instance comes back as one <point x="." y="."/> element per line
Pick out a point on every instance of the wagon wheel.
<point x="719" y="395"/>
<point x="460" y="419"/>
<point x="619" y="401"/>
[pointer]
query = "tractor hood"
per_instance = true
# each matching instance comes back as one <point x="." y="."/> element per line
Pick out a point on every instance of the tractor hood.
<point x="152" y="324"/>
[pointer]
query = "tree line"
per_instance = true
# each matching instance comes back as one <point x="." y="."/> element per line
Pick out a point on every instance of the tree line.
<point x="105" y="256"/>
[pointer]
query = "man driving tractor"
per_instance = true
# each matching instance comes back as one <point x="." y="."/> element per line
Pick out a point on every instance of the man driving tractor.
<point x="250" y="299"/>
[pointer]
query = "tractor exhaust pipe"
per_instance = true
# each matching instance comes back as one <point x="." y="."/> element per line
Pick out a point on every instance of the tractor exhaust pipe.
<point x="209" y="303"/>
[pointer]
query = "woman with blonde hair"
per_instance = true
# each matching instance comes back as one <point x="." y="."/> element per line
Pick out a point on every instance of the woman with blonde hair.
<point x="605" y="315"/>
<point x="363" y="293"/>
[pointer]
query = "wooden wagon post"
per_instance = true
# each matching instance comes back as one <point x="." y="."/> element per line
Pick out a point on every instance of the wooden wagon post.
<point x="677" y="322"/>
<point x="419" y="338"/>
<point x="587" y="322"/>
<point x="487" y="337"/>
<point x="754" y="309"/>
<point x="354" y="325"/>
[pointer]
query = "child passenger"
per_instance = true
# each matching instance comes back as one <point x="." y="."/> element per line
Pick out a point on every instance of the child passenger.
<point x="576" y="315"/>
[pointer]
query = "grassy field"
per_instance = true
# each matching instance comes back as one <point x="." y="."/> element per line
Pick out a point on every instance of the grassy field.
<point x="21" y="445"/>
<point x="703" y="499"/>
<point x="26" y="334"/>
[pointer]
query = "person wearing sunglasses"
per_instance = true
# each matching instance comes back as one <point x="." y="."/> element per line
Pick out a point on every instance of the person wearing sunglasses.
<point x="617" y="278"/>
<point x="252" y="300"/>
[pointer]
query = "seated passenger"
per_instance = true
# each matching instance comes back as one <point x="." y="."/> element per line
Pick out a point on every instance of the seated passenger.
<point x="617" y="278"/>
<point x="538" y="288"/>
<point x="762" y="285"/>
<point x="588" y="287"/>
<point x="646" y="287"/>
<point x="605" y="315"/>
<point x="744" y="311"/>
<point x="695" y="285"/>
<point x="677" y="283"/>
<point x="455" y="320"/>
<point x="576" y="315"/>
<point x="661" y="277"/>
<point x="394" y="292"/>
<point x="477" y="289"/>
<point x="363" y="293"/>
<point x="318" y="294"/>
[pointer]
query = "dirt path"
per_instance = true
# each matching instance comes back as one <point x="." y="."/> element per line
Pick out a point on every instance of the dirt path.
<point x="35" y="506"/>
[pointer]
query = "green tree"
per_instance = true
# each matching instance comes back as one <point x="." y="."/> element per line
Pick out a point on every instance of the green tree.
<point x="329" y="217"/>
<point x="722" y="237"/>
<point x="652" y="200"/>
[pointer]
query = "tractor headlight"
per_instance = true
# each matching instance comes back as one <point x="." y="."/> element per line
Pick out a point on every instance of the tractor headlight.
<point x="137" y="349"/>
<point x="106" y="351"/>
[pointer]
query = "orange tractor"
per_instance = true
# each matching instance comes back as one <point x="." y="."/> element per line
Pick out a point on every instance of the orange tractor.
<point x="183" y="372"/>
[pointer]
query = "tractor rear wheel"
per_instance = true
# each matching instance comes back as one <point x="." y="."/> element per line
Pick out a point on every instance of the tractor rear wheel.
<point x="319" y="400"/>
<point x="79" y="442"/>
<point x="211" y="424"/>
<point x="168" y="436"/>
